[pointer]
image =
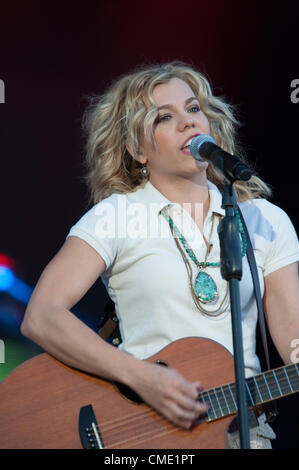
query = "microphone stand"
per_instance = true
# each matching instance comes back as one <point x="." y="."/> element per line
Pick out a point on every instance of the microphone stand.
<point x="231" y="271"/>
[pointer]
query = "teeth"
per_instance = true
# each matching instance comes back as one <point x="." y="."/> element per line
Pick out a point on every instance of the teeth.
<point x="187" y="144"/>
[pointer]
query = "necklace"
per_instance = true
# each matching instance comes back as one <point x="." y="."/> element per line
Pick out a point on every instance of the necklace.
<point x="204" y="289"/>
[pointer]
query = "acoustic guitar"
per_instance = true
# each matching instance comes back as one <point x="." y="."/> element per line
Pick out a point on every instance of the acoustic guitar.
<point x="46" y="404"/>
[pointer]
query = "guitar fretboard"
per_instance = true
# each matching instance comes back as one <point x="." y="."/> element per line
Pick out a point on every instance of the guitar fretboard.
<point x="261" y="388"/>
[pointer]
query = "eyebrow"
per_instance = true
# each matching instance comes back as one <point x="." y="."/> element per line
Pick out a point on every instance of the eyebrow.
<point x="192" y="98"/>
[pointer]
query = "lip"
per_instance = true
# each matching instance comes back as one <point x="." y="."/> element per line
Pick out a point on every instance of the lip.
<point x="190" y="137"/>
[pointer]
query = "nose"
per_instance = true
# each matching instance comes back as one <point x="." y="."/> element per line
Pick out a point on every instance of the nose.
<point x="186" y="122"/>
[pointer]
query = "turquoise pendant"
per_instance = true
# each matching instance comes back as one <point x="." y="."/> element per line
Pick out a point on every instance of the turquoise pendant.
<point x="205" y="288"/>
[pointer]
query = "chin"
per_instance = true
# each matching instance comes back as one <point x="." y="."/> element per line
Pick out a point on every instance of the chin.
<point x="202" y="166"/>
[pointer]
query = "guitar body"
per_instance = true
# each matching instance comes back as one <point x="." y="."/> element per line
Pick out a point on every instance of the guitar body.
<point x="40" y="402"/>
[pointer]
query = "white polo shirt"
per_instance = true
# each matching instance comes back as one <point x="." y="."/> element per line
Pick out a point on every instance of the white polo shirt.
<point x="146" y="276"/>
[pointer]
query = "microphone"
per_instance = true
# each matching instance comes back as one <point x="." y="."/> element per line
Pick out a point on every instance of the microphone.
<point x="203" y="147"/>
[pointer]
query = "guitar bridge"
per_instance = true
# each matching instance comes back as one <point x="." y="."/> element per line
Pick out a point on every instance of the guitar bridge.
<point x="89" y="430"/>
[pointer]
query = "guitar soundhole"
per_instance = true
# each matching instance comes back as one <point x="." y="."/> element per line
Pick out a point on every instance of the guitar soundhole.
<point x="128" y="393"/>
<point x="161" y="363"/>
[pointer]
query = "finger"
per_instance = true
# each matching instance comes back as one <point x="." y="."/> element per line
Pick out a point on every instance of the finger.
<point x="188" y="397"/>
<point x="197" y="410"/>
<point x="194" y="388"/>
<point x="185" y="418"/>
<point x="198" y="386"/>
<point x="180" y="417"/>
<point x="188" y="410"/>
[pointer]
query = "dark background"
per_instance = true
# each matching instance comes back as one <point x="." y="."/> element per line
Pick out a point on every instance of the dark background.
<point x="54" y="55"/>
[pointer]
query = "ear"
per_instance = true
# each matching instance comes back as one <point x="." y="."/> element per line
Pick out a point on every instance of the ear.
<point x="140" y="157"/>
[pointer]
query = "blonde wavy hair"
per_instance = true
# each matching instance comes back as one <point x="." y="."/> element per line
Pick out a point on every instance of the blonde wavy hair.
<point x="119" y="118"/>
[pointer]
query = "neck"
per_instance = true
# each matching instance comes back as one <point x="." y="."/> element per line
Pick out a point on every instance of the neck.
<point x="185" y="192"/>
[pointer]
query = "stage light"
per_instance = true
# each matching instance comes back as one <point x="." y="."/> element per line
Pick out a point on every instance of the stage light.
<point x="6" y="261"/>
<point x="15" y="287"/>
<point x="10" y="283"/>
<point x="7" y="278"/>
<point x="20" y="291"/>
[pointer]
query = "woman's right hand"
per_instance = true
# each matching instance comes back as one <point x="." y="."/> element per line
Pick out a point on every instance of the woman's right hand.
<point x="170" y="394"/>
<point x="49" y="322"/>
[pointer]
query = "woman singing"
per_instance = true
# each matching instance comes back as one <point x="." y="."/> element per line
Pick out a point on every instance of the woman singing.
<point x="151" y="235"/>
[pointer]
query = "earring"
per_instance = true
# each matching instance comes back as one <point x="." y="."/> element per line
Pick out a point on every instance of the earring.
<point x="144" y="171"/>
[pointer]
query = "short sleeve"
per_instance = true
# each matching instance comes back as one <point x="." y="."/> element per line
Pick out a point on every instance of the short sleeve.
<point x="97" y="227"/>
<point x="284" y="248"/>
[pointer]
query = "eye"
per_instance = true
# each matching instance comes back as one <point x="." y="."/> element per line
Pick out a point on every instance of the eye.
<point x="163" y="118"/>
<point x="194" y="109"/>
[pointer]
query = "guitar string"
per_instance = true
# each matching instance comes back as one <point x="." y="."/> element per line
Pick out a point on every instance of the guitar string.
<point x="142" y="413"/>
<point x="114" y="424"/>
<point x="144" y="437"/>
<point x="261" y="389"/>
<point x="106" y="427"/>
<point x="147" y="434"/>
<point x="151" y="432"/>
<point x="274" y="376"/>
<point x="130" y="418"/>
<point x="280" y="375"/>
<point x="127" y="422"/>
<point x="126" y="428"/>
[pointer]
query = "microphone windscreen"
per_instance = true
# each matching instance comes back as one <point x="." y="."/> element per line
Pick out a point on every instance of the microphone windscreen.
<point x="197" y="142"/>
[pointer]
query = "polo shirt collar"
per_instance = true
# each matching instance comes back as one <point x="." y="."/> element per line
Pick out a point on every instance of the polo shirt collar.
<point x="152" y="194"/>
<point x="215" y="199"/>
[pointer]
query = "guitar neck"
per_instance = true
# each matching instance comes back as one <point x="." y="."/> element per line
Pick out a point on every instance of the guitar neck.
<point x="261" y="388"/>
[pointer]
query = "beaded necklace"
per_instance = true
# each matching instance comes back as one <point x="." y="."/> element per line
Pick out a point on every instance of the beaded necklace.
<point x="204" y="290"/>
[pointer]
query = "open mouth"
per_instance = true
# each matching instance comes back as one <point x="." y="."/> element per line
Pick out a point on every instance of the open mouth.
<point x="186" y="146"/>
<point x="186" y="150"/>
